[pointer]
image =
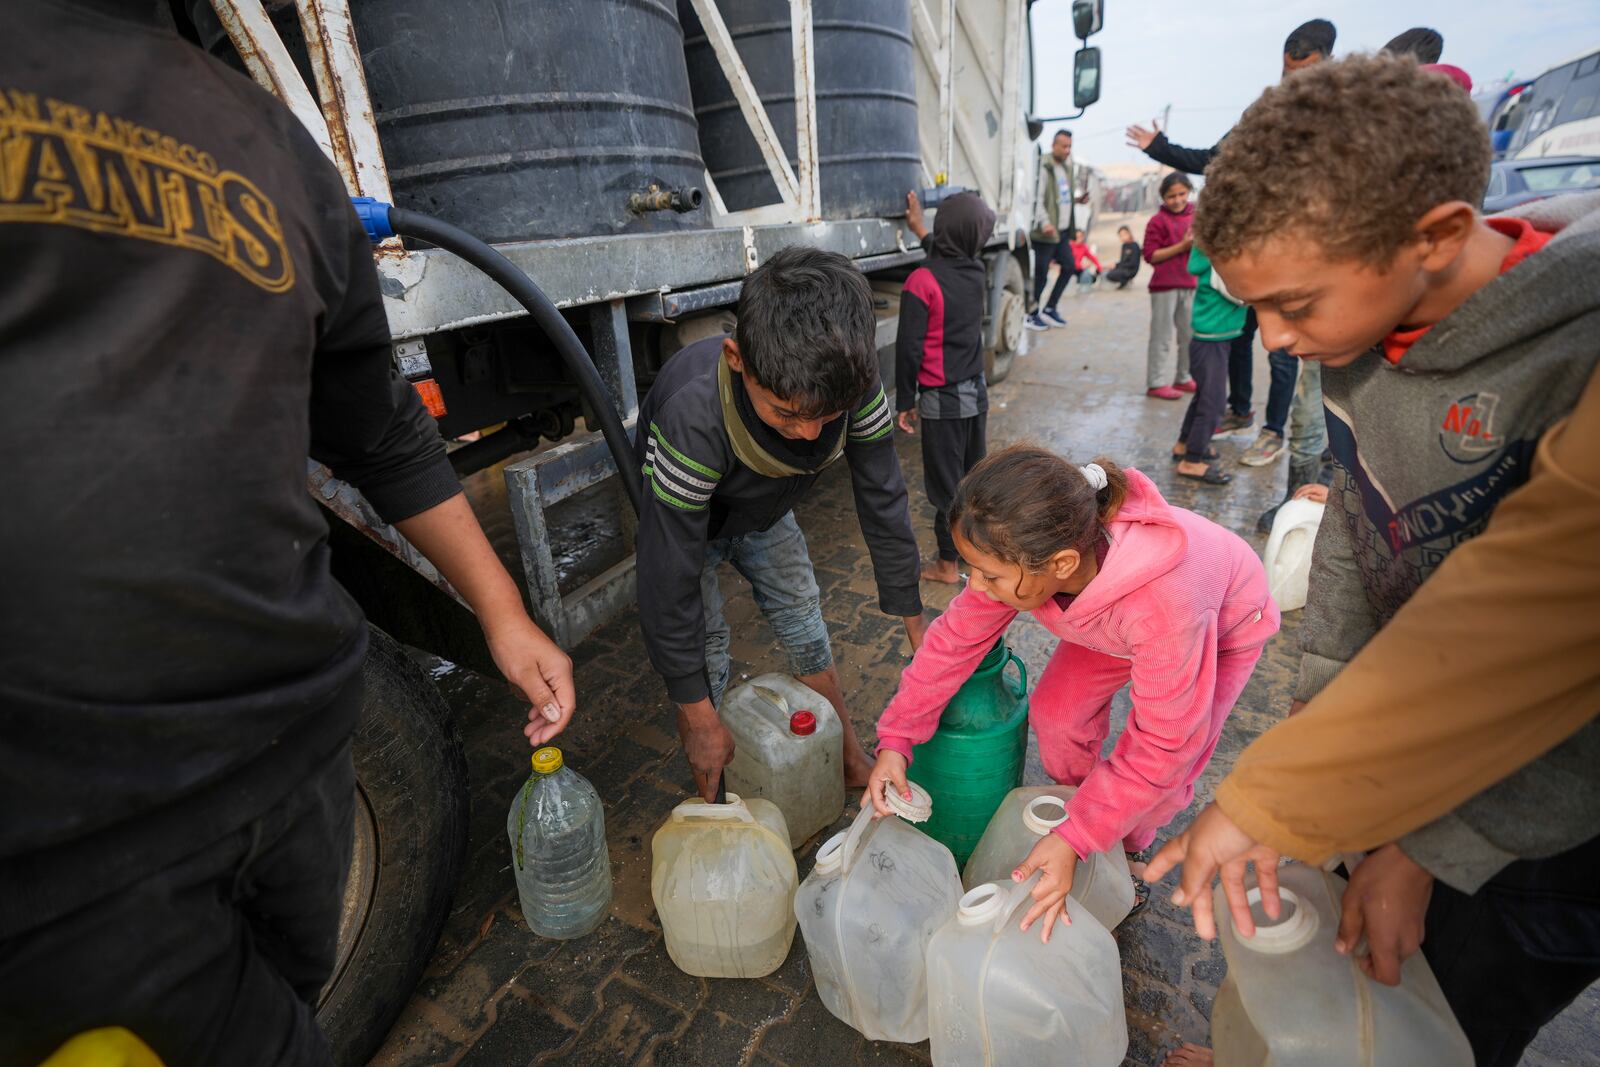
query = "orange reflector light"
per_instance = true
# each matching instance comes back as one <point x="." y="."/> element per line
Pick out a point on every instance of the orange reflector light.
<point x="432" y="398"/>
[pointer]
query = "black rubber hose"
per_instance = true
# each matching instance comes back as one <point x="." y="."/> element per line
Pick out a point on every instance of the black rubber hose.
<point x="522" y="289"/>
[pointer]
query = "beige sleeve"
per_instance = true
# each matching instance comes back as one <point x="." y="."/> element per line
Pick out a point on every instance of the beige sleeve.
<point x="1490" y="665"/>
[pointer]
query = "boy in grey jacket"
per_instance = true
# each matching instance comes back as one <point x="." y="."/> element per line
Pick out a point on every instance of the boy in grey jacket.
<point x="1448" y="343"/>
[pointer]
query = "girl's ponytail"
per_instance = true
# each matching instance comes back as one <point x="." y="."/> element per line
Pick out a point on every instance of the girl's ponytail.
<point x="1110" y="498"/>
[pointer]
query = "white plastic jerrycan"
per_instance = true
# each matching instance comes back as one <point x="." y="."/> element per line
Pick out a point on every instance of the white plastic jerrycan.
<point x="1102" y="883"/>
<point x="1288" y="553"/>
<point x="999" y="997"/>
<point x="1290" y="998"/>
<point x="723" y="881"/>
<point x="877" y="894"/>
<point x="789" y="749"/>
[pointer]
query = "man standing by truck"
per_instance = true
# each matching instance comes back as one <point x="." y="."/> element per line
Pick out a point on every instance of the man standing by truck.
<point x="1055" y="217"/>
<point x="191" y="309"/>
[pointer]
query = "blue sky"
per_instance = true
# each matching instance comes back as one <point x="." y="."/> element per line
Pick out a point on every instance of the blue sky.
<point x="1210" y="58"/>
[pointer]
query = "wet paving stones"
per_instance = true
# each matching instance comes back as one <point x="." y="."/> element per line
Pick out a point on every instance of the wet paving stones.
<point x="497" y="996"/>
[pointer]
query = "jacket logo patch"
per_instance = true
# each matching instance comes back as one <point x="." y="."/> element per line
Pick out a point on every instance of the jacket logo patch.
<point x="1467" y="432"/>
<point x="65" y="165"/>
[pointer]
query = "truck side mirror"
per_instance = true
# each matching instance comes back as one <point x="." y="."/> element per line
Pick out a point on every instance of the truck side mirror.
<point x="1085" y="77"/>
<point x="1088" y="17"/>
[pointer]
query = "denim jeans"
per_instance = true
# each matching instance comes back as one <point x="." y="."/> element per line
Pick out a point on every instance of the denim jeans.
<point x="1241" y="366"/>
<point x="1044" y="254"/>
<point x="1280" y="395"/>
<point x="778" y="567"/>
<point x="1169" y="309"/>
<point x="1308" y="421"/>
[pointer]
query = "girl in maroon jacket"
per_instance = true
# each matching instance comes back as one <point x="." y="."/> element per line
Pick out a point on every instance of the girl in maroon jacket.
<point x="1166" y="248"/>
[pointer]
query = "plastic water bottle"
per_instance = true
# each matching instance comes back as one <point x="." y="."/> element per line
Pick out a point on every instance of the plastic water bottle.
<point x="1102" y="882"/>
<point x="789" y="749"/>
<point x="1290" y="997"/>
<point x="1288" y="553"/>
<point x="1000" y="997"/>
<point x="723" y="880"/>
<point x="558" y="850"/>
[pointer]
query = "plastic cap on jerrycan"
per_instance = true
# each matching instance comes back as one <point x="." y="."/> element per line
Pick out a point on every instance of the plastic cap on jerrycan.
<point x="1102" y="881"/>
<point x="557" y="828"/>
<point x="723" y="880"/>
<point x="1000" y="997"/>
<point x="867" y="910"/>
<point x="788" y="747"/>
<point x="1290" y="997"/>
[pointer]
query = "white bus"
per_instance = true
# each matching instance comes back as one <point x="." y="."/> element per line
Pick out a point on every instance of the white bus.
<point x="1560" y="111"/>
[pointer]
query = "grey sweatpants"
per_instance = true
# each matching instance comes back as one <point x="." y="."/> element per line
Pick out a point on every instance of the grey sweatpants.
<point x="1169" y="308"/>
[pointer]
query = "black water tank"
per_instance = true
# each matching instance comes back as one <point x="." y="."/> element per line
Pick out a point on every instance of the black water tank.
<point x="866" y="102"/>
<point x="522" y="119"/>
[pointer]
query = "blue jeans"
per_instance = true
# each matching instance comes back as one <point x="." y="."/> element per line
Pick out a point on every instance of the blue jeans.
<point x="778" y="567"/>
<point x="1308" y="421"/>
<point x="1281" y="393"/>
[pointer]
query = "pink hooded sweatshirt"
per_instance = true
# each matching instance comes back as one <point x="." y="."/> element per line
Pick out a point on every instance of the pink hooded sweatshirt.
<point x="1180" y="607"/>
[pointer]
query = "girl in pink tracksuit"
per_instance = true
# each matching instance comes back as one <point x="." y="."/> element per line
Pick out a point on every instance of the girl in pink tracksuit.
<point x="1138" y="591"/>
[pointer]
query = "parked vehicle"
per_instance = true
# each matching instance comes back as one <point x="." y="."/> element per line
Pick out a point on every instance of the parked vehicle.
<point x="1559" y="114"/>
<point x="1499" y="103"/>
<point x="1518" y="181"/>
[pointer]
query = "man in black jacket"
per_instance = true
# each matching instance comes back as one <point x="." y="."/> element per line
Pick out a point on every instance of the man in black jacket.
<point x="191" y="310"/>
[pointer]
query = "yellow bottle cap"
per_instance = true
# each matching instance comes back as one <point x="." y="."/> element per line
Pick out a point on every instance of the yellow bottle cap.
<point x="547" y="760"/>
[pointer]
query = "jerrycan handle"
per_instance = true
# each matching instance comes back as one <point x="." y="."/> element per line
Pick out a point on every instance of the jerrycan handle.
<point x="853" y="838"/>
<point x="698" y="809"/>
<point x="990" y="904"/>
<point x="1022" y="673"/>
<point x="1020" y="895"/>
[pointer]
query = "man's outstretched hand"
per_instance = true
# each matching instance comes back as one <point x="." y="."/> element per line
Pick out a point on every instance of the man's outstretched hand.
<point x="1213" y="844"/>
<point x="1141" y="138"/>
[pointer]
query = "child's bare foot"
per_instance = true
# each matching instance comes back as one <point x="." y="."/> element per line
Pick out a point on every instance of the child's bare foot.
<point x="1187" y="1055"/>
<point x="942" y="570"/>
<point x="857" y="767"/>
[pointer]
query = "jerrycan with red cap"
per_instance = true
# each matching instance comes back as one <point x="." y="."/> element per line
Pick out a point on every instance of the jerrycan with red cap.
<point x="789" y="749"/>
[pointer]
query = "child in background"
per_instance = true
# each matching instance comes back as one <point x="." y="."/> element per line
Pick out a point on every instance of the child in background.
<point x="1082" y="258"/>
<point x="938" y="356"/>
<point x="1166" y="248"/>
<point x="1128" y="265"/>
<point x="1136" y="589"/>
<point x="1218" y="319"/>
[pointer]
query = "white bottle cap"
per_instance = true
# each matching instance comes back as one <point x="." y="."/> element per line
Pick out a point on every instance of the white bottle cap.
<point x="917" y="809"/>
<point x="1042" y="824"/>
<point x="1293" y="931"/>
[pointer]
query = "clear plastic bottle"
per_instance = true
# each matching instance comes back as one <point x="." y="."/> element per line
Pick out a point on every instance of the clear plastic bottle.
<point x="789" y="749"/>
<point x="877" y="894"/>
<point x="1102" y="882"/>
<point x="558" y="850"/>
<point x="1000" y="997"/>
<point x="1290" y="997"/>
<point x="723" y="880"/>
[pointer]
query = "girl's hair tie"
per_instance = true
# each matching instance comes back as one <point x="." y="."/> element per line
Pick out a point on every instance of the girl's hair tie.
<point x="1095" y="475"/>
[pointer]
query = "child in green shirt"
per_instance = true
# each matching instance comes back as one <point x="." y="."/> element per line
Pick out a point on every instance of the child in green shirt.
<point x="1218" y="319"/>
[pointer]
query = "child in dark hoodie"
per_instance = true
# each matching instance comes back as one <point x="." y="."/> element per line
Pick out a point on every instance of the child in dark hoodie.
<point x="1128" y="265"/>
<point x="939" y="358"/>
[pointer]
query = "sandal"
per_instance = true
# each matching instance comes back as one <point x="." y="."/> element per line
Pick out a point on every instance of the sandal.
<point x="1212" y="476"/>
<point x="1141" y="888"/>
<point x="1179" y="457"/>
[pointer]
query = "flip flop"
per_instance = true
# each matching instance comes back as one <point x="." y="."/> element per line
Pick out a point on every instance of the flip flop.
<point x="1177" y="457"/>
<point x="1212" y="476"/>
<point x="1141" y="888"/>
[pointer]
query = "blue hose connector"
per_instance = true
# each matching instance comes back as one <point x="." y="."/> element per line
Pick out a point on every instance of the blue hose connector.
<point x="374" y="216"/>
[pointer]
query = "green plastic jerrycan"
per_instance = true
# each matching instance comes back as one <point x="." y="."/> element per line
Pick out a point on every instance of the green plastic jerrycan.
<point x="975" y="757"/>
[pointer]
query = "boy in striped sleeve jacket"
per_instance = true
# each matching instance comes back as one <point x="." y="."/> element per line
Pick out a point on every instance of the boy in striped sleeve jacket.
<point x="734" y="432"/>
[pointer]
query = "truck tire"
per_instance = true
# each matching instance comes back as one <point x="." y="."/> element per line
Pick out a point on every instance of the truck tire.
<point x="410" y="846"/>
<point x="1009" y="331"/>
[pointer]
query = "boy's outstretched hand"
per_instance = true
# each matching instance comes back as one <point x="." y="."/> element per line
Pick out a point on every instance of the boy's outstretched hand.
<point x="1387" y="901"/>
<point x="1214" y="844"/>
<point x="1141" y="138"/>
<point x="1055" y="858"/>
